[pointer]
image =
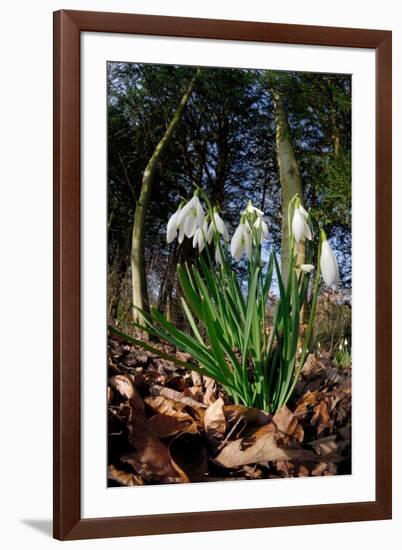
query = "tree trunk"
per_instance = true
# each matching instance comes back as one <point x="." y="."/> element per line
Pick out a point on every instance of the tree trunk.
<point x="138" y="273"/>
<point x="290" y="179"/>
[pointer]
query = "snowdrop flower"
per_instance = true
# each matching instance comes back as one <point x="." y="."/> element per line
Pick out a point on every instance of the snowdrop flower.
<point x="218" y="256"/>
<point x="185" y="210"/>
<point x="186" y="220"/>
<point x="210" y="232"/>
<point x="307" y="268"/>
<point x="251" y="209"/>
<point x="194" y="218"/>
<point x="300" y="227"/>
<point x="328" y="263"/>
<point x="241" y="242"/>
<point x="221" y="226"/>
<point x="172" y="227"/>
<point x="181" y="233"/>
<point x="260" y="225"/>
<point x="199" y="237"/>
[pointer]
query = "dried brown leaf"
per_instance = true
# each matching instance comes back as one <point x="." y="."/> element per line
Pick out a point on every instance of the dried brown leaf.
<point x="123" y="384"/>
<point x="210" y="390"/>
<point x="163" y="425"/>
<point x="288" y="424"/>
<point x="177" y="396"/>
<point x="189" y="457"/>
<point x="214" y="419"/>
<point x="150" y="450"/>
<point x="124" y="478"/>
<point x="260" y="447"/>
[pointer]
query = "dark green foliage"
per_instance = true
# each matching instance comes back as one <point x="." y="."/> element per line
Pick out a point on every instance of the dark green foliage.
<point x="224" y="143"/>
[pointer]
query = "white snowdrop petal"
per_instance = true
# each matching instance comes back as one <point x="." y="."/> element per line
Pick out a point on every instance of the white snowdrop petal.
<point x="210" y="234"/>
<point x="201" y="241"/>
<point x="298" y="225"/>
<point x="171" y="230"/>
<point x="264" y="229"/>
<point x="329" y="266"/>
<point x="221" y="226"/>
<point x="183" y="213"/>
<point x="218" y="257"/>
<point x="303" y="212"/>
<point x="190" y="226"/>
<point x="248" y="247"/>
<point x="200" y="214"/>
<point x="181" y="234"/>
<point x="236" y="243"/>
<point x="307" y="231"/>
<point x="195" y="239"/>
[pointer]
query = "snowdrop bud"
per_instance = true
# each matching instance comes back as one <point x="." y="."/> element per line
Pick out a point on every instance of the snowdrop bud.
<point x="195" y="238"/>
<point x="221" y="226"/>
<point x="346" y="342"/>
<point x="199" y="240"/>
<point x="210" y="233"/>
<point x="300" y="227"/>
<point x="328" y="263"/>
<point x="218" y="256"/>
<point x="171" y="230"/>
<point x="241" y="242"/>
<point x="260" y="225"/>
<point x="307" y="268"/>
<point x="251" y="209"/>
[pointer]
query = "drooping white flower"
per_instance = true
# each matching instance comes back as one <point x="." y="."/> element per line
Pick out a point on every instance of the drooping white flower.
<point x="190" y="224"/>
<point x="199" y="237"/>
<point x="307" y="268"/>
<point x="328" y="264"/>
<point x="181" y="233"/>
<point x="191" y="216"/>
<point x="300" y="227"/>
<point x="241" y="242"/>
<point x="218" y="256"/>
<point x="185" y="211"/>
<point x="260" y="225"/>
<point x="303" y="211"/>
<point x="251" y="209"/>
<point x="221" y="226"/>
<point x="172" y="228"/>
<point x="210" y="232"/>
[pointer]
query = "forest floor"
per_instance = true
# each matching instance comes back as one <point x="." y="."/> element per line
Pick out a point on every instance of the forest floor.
<point x="170" y="425"/>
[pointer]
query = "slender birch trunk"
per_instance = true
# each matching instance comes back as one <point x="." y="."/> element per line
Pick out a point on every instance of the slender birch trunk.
<point x="290" y="179"/>
<point x="138" y="273"/>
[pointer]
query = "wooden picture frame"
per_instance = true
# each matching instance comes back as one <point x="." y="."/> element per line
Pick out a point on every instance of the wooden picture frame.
<point x="68" y="26"/>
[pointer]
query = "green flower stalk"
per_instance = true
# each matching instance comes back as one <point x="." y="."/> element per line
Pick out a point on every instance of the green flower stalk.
<point x="256" y="362"/>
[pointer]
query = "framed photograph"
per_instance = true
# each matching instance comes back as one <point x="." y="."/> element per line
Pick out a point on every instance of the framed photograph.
<point x="222" y="269"/>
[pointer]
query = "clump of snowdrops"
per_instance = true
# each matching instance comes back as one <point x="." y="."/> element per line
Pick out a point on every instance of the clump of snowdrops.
<point x="257" y="363"/>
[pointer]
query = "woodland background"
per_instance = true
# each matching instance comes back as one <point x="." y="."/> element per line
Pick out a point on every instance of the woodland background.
<point x="240" y="134"/>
